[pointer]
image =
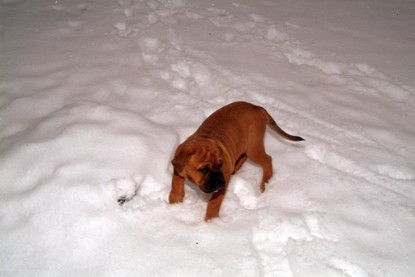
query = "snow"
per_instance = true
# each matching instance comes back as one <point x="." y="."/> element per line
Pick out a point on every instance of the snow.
<point x="96" y="95"/>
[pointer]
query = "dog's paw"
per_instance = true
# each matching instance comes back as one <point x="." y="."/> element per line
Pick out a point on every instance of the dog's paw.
<point x="174" y="199"/>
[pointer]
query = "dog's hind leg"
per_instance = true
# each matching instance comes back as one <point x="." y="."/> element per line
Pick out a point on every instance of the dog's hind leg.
<point x="265" y="161"/>
<point x="256" y="153"/>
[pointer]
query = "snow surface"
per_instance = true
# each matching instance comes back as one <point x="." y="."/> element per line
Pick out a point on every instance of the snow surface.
<point x="95" y="96"/>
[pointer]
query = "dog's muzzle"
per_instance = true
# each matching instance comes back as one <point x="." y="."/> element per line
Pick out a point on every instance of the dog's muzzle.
<point x="214" y="182"/>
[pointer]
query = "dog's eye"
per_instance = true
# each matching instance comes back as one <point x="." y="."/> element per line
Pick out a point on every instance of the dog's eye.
<point x="204" y="169"/>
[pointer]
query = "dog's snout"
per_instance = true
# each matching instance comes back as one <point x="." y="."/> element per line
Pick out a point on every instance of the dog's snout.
<point x="215" y="186"/>
<point x="214" y="182"/>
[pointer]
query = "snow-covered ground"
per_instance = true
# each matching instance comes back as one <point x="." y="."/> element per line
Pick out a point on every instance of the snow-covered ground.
<point x="96" y="95"/>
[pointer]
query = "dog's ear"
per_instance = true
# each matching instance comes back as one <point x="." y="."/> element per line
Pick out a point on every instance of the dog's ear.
<point x="178" y="164"/>
<point x="179" y="161"/>
<point x="181" y="157"/>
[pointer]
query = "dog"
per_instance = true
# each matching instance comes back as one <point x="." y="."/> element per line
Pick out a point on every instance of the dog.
<point x="218" y="149"/>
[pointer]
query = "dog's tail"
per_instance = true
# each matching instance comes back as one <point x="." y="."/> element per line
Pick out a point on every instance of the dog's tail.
<point x="273" y="125"/>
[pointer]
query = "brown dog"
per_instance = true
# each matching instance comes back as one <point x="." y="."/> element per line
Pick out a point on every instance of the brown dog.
<point x="218" y="149"/>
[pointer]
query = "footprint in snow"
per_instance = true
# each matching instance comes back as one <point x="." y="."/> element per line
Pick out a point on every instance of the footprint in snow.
<point x="273" y="240"/>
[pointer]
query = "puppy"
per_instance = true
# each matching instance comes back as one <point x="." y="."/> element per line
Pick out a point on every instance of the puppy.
<point x="218" y="149"/>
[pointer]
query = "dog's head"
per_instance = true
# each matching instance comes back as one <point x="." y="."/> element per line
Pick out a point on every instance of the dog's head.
<point x="200" y="161"/>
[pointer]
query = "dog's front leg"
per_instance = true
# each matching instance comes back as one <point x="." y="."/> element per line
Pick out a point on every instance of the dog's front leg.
<point x="177" y="189"/>
<point x="214" y="204"/>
